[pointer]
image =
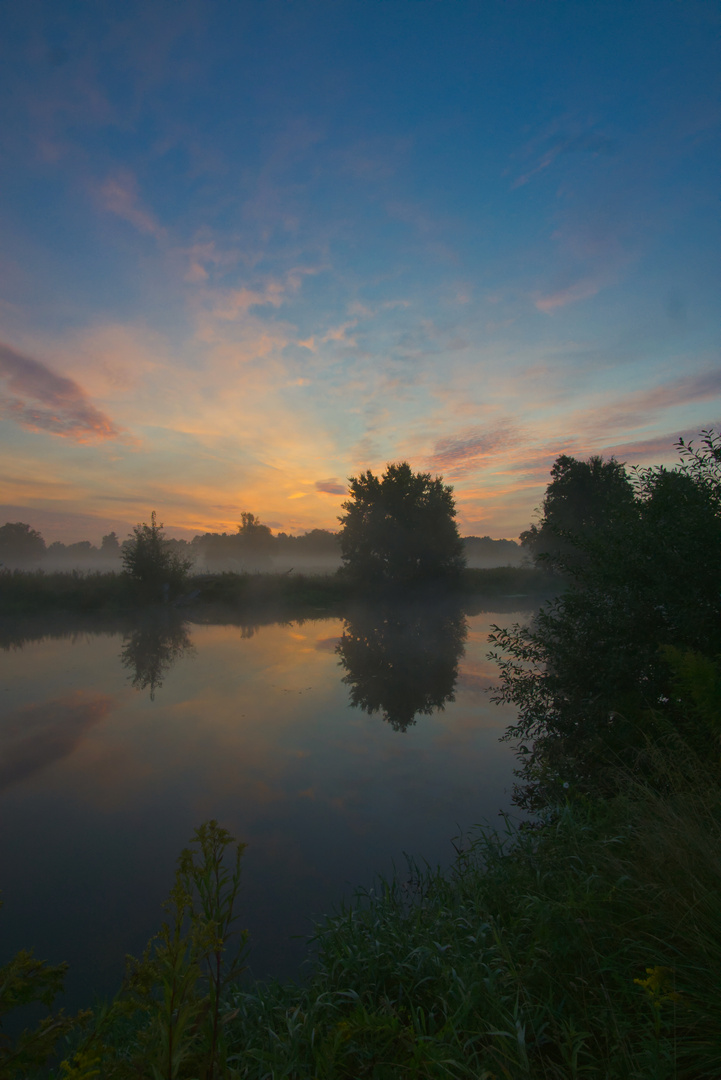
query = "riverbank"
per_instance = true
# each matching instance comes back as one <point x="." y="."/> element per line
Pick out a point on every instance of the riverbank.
<point x="585" y="946"/>
<point x="289" y="595"/>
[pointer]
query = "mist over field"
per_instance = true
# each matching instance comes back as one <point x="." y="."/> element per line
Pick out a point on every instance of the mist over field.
<point x="253" y="549"/>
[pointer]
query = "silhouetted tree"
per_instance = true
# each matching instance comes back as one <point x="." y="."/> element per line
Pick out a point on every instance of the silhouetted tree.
<point x="20" y="544"/>
<point x="150" y="561"/>
<point x="593" y="663"/>
<point x="584" y="500"/>
<point x="400" y="527"/>
<point x="255" y="539"/>
<point x="110" y="546"/>
<point x="402" y="661"/>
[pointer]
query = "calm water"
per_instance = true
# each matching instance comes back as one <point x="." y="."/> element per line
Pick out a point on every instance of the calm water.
<point x="331" y="747"/>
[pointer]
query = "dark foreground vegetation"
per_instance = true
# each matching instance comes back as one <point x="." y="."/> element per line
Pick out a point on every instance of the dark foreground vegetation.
<point x="584" y="943"/>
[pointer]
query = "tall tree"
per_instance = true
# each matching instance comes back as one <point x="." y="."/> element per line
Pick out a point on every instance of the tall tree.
<point x="400" y="527"/>
<point x="584" y="502"/>
<point x="591" y="671"/>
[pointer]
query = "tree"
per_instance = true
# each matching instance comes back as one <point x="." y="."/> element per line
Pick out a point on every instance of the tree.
<point x="584" y="501"/>
<point x="150" y="561"/>
<point x="20" y="544"/>
<point x="110" y="546"/>
<point x="590" y="675"/>
<point x="400" y="527"/>
<point x="255" y="539"/>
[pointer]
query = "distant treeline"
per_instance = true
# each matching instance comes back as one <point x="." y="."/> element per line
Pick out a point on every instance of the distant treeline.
<point x="252" y="545"/>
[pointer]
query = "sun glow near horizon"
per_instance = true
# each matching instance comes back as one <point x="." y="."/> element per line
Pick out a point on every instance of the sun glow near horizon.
<point x="246" y="257"/>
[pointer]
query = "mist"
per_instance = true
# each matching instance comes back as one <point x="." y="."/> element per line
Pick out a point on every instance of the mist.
<point x="253" y="549"/>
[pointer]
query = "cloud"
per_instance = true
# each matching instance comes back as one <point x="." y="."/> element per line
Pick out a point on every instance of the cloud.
<point x="590" y="142"/>
<point x="461" y="453"/>
<point x="331" y="486"/>
<point x="37" y="735"/>
<point x="640" y="408"/>
<point x="581" y="290"/>
<point x="119" y="195"/>
<point x="40" y="400"/>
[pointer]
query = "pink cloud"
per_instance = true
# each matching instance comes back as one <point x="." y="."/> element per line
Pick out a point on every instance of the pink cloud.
<point x="37" y="735"/>
<point x="40" y="400"/>
<point x="462" y="453"/>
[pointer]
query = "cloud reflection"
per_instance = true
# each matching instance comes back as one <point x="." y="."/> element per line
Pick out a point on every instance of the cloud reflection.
<point x="35" y="736"/>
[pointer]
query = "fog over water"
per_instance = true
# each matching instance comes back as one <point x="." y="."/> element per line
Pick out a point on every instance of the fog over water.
<point x="331" y="746"/>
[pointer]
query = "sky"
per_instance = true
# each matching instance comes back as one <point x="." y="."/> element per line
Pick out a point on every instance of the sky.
<point x="250" y="248"/>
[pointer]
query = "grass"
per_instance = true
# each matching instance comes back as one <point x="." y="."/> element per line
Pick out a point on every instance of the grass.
<point x="589" y="947"/>
<point x="288" y="594"/>
<point x="585" y="946"/>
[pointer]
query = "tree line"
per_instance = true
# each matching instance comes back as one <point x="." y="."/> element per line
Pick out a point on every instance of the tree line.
<point x="23" y="547"/>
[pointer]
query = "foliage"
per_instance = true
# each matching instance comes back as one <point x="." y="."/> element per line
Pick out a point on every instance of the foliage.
<point x="110" y="545"/>
<point x="26" y="981"/>
<point x="587" y="946"/>
<point x="26" y="592"/>
<point x="590" y="676"/>
<point x="169" y="1021"/>
<point x="584" y="502"/>
<point x="148" y="558"/>
<point x="255" y="539"/>
<point x="528" y="958"/>
<point x="400" y="527"/>
<point x="20" y="544"/>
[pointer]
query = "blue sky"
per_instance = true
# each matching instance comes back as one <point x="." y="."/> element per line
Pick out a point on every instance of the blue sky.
<point x="249" y="249"/>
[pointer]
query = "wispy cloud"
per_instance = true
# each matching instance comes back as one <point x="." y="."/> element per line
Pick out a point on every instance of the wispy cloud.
<point x="38" y="735"/>
<point x="461" y="453"/>
<point x="581" y="290"/>
<point x="639" y="409"/>
<point x="542" y="152"/>
<point x="332" y="486"/>
<point x="40" y="400"/>
<point x="119" y="195"/>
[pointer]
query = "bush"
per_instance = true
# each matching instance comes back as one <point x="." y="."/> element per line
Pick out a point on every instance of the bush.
<point x="149" y="560"/>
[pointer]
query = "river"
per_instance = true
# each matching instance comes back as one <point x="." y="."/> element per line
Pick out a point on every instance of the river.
<point x="330" y="746"/>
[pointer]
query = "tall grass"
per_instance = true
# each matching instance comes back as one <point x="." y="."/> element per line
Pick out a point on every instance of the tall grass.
<point x="584" y="946"/>
<point x="588" y="947"/>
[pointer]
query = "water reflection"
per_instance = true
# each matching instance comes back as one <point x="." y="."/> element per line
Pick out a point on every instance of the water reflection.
<point x="152" y="648"/>
<point x="36" y="736"/>
<point x="402" y="661"/>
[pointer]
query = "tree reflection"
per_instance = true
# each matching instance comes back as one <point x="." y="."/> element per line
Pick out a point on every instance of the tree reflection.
<point x="152" y="648"/>
<point x="402" y="661"/>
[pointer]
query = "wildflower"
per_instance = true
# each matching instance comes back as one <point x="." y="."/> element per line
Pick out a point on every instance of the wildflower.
<point x="659" y="986"/>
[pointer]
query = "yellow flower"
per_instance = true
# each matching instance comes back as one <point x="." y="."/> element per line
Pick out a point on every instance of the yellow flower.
<point x="659" y="985"/>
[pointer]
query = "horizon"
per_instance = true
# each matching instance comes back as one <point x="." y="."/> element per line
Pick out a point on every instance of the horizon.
<point x="249" y="252"/>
